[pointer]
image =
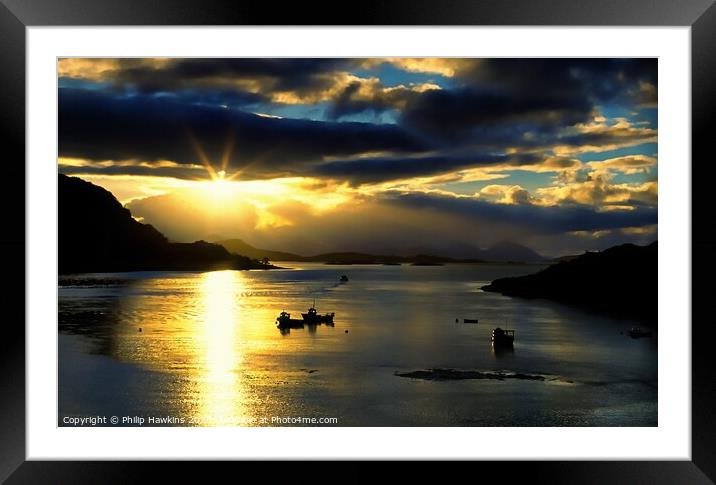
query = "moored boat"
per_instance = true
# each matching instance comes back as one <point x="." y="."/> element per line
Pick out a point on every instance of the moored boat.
<point x="312" y="316"/>
<point x="503" y="338"/>
<point x="284" y="320"/>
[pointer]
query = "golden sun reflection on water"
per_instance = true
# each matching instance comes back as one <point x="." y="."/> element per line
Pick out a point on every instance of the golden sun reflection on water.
<point x="219" y="379"/>
<point x="212" y="341"/>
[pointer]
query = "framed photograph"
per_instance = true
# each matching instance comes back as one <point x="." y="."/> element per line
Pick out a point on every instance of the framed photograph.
<point x="426" y="233"/>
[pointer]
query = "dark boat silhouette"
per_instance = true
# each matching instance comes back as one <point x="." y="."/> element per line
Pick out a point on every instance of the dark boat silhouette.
<point x="503" y="338"/>
<point x="312" y="316"/>
<point x="284" y="320"/>
<point x="344" y="278"/>
<point x="470" y="320"/>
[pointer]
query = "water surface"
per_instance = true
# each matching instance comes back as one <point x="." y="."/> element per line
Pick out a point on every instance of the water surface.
<point x="209" y="352"/>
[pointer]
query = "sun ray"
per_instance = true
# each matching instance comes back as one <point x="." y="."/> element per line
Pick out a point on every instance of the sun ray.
<point x="202" y="156"/>
<point x="228" y="149"/>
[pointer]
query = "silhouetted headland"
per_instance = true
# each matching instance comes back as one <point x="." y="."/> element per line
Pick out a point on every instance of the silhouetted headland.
<point x="620" y="281"/>
<point x="97" y="234"/>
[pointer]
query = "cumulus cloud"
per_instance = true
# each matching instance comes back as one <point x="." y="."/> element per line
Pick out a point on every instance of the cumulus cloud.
<point x="362" y="95"/>
<point x="598" y="190"/>
<point x="506" y="194"/>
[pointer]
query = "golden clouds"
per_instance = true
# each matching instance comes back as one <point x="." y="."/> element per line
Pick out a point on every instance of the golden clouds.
<point x="593" y="187"/>
<point x="104" y="69"/>
<point x="545" y="165"/>
<point x="506" y="194"/>
<point x="334" y="85"/>
<point x="458" y="176"/>
<point x="630" y="164"/>
<point x="600" y="191"/>
<point x="601" y="136"/>
<point x="447" y="67"/>
<point x="647" y="95"/>
<point x="647" y="230"/>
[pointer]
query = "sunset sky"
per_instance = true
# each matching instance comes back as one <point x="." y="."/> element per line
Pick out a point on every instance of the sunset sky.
<point x="381" y="155"/>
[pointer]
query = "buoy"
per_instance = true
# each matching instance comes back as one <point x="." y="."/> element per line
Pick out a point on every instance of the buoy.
<point x="140" y="329"/>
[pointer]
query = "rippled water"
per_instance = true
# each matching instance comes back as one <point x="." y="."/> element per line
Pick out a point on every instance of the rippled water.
<point x="209" y="351"/>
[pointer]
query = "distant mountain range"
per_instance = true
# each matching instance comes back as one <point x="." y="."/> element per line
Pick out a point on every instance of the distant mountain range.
<point x="501" y="252"/>
<point x="97" y="234"/>
<point x="506" y="251"/>
<point x="620" y="281"/>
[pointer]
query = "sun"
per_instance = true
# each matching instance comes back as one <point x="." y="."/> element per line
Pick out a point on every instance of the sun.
<point x="220" y="181"/>
<point x="220" y="186"/>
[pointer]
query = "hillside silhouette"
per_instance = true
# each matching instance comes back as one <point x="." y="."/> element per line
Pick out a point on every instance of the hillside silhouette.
<point x="500" y="252"/>
<point x="97" y="234"/>
<point x="620" y="281"/>
<point x="239" y="246"/>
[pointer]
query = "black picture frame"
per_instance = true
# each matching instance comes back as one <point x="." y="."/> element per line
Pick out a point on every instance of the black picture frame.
<point x="16" y="15"/>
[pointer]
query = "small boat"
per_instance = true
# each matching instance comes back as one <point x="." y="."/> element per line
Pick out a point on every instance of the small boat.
<point x="312" y="316"/>
<point x="636" y="332"/>
<point x="503" y="338"/>
<point x="284" y="320"/>
<point x="344" y="278"/>
<point x="470" y="320"/>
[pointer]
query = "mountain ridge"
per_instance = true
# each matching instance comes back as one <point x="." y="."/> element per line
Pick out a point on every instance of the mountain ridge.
<point x="497" y="253"/>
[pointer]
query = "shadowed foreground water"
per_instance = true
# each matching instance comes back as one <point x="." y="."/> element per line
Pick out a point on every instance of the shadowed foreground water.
<point x="209" y="352"/>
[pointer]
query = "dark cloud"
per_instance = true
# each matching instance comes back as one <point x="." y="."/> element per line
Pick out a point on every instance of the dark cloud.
<point x="607" y="137"/>
<point x="349" y="101"/>
<point x="538" y="219"/>
<point x="456" y="114"/>
<point x="214" y="97"/>
<point x="598" y="79"/>
<point x="276" y="74"/>
<point x="100" y="126"/>
<point x="379" y="169"/>
<point x="541" y="94"/>
<point x="181" y="172"/>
